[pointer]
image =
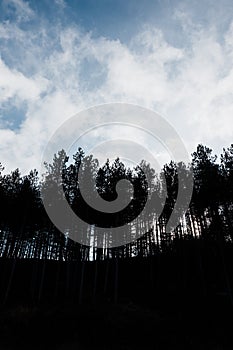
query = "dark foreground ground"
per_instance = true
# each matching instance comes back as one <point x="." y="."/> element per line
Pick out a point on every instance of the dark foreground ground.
<point x="179" y="300"/>
<point x="126" y="325"/>
<point x="170" y="302"/>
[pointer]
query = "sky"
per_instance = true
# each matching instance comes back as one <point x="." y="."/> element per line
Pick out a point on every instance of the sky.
<point x="60" y="57"/>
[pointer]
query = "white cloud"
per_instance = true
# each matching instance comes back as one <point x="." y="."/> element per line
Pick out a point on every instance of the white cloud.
<point x="191" y="86"/>
<point x="60" y="3"/>
<point x="14" y="84"/>
<point x="22" y="9"/>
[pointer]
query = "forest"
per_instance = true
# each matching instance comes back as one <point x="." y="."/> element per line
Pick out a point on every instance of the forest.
<point x="186" y="273"/>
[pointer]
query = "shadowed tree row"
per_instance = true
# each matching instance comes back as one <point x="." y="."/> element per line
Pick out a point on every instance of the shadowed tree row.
<point x="27" y="232"/>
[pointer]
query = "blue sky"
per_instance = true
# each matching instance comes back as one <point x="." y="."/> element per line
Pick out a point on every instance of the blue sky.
<point x="122" y="19"/>
<point x="59" y="57"/>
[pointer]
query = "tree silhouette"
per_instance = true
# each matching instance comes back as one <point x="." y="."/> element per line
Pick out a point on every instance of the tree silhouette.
<point x="151" y="265"/>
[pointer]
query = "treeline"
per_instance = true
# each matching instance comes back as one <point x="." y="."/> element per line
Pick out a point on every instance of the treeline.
<point x="27" y="231"/>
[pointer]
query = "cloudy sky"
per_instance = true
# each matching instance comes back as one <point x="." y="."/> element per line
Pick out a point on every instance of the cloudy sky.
<point x="59" y="57"/>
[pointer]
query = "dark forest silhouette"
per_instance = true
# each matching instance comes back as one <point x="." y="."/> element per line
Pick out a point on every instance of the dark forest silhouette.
<point x="27" y="232"/>
<point x="184" y="270"/>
